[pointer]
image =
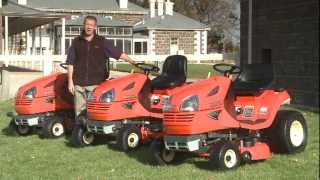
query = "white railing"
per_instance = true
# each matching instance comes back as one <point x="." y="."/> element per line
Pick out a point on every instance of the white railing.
<point x="46" y="63"/>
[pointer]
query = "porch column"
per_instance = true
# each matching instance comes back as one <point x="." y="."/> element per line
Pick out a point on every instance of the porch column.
<point x="13" y="43"/>
<point x="6" y="40"/>
<point x="27" y="42"/>
<point x="40" y="39"/>
<point x="250" y="33"/>
<point x="63" y="36"/>
<point x="51" y="46"/>
<point x="6" y="36"/>
<point x="33" y="41"/>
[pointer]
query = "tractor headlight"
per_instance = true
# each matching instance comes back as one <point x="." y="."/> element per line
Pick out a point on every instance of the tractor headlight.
<point x="166" y="104"/>
<point x="30" y="93"/>
<point x="108" y="96"/>
<point x="190" y="104"/>
<point x="90" y="96"/>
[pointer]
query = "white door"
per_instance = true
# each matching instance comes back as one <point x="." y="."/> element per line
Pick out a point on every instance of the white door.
<point x="174" y="46"/>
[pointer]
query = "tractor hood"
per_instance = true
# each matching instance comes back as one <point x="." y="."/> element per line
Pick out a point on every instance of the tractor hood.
<point x="119" y="89"/>
<point x="204" y="92"/>
<point x="43" y="86"/>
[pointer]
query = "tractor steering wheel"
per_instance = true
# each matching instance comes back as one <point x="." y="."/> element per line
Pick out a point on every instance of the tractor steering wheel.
<point x="147" y="68"/>
<point x="227" y="69"/>
<point x="64" y="65"/>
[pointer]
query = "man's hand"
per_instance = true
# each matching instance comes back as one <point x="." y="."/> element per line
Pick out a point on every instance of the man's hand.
<point x="71" y="87"/>
<point x="70" y="80"/>
<point x="125" y="57"/>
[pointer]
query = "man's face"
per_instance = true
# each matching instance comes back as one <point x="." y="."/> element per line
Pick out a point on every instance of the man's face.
<point x="90" y="27"/>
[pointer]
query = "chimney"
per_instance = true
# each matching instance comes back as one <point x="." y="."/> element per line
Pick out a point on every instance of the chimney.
<point x="152" y="8"/>
<point x="22" y="2"/>
<point x="169" y="8"/>
<point x="123" y="4"/>
<point x="160" y="7"/>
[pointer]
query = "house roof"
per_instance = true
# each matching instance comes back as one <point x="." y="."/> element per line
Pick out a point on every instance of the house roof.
<point x="89" y="6"/>
<point x="22" y="18"/>
<point x="13" y="9"/>
<point x="139" y="35"/>
<point x="175" y="22"/>
<point x="102" y="21"/>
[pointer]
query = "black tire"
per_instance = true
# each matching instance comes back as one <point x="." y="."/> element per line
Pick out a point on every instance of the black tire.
<point x="289" y="133"/>
<point x="80" y="137"/>
<point x="129" y="138"/>
<point x="12" y="128"/>
<point x="225" y="156"/>
<point x="53" y="128"/>
<point x="21" y="130"/>
<point x="161" y="155"/>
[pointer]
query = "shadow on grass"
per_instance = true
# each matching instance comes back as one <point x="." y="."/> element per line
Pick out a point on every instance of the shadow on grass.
<point x="143" y="155"/>
<point x="205" y="164"/>
<point x="7" y="131"/>
<point x="98" y="140"/>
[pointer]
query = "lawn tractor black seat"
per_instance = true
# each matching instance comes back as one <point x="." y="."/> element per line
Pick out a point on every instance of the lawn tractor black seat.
<point x="174" y="73"/>
<point x="254" y="78"/>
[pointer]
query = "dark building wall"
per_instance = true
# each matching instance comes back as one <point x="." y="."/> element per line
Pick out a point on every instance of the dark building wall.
<point x="286" y="34"/>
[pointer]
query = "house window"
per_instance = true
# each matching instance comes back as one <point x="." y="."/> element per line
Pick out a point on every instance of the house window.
<point x="102" y="31"/>
<point x="112" y="42"/>
<point x="119" y="31"/>
<point x="68" y="43"/>
<point x="110" y="31"/>
<point x="127" y="46"/>
<point x="266" y="57"/>
<point x="127" y="31"/>
<point x="174" y="41"/>
<point x="108" y="17"/>
<point x="140" y="47"/>
<point x="119" y="44"/>
<point x="75" y="30"/>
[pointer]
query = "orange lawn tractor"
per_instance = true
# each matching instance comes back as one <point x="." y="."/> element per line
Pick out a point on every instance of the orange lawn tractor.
<point x="43" y="104"/>
<point x="230" y="121"/>
<point x="130" y="107"/>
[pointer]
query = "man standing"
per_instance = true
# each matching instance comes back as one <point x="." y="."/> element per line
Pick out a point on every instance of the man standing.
<point x="86" y="62"/>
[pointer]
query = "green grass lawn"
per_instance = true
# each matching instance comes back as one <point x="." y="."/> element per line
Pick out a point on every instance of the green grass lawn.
<point x="195" y="71"/>
<point x="35" y="158"/>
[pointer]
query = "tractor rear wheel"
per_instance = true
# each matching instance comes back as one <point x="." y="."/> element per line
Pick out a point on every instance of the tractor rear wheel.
<point x="129" y="138"/>
<point x="289" y="132"/>
<point x="225" y="156"/>
<point x="161" y="154"/>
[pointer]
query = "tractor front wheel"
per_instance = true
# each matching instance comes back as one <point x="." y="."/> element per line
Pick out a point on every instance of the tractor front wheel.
<point x="81" y="137"/>
<point x="22" y="130"/>
<point x="161" y="154"/>
<point x="129" y="138"/>
<point x="53" y="128"/>
<point x="225" y="155"/>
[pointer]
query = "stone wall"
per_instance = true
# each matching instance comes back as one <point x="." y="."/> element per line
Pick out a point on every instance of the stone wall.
<point x="185" y="41"/>
<point x="286" y="34"/>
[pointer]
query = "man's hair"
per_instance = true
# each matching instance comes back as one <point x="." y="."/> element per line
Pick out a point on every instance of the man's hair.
<point x="90" y="18"/>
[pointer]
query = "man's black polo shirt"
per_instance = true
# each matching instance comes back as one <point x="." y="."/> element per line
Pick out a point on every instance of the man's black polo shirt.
<point x="89" y="59"/>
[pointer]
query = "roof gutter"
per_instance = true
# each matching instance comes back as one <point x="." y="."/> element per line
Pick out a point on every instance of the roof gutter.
<point x="173" y="29"/>
<point x="91" y="11"/>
